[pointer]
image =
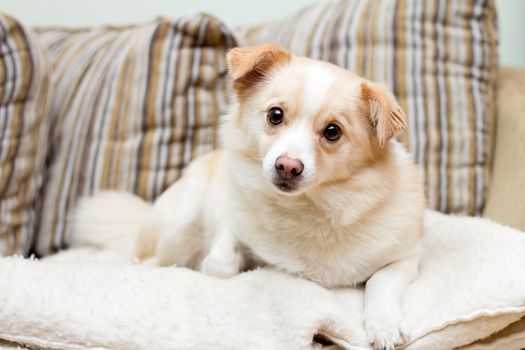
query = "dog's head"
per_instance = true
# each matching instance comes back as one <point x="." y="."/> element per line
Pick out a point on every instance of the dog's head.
<point x="308" y="123"/>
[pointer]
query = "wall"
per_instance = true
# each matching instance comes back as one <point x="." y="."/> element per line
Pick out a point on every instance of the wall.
<point x="93" y="12"/>
<point x="233" y="12"/>
<point x="512" y="32"/>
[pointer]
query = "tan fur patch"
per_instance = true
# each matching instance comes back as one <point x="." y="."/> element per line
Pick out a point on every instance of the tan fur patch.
<point x="386" y="115"/>
<point x="357" y="148"/>
<point x="250" y="65"/>
<point x="213" y="162"/>
<point x="146" y="244"/>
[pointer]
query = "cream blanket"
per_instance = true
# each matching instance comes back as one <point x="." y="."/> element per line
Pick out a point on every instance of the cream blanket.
<point x="470" y="294"/>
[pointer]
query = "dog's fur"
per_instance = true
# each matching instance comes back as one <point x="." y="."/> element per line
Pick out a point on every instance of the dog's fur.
<point x="354" y="213"/>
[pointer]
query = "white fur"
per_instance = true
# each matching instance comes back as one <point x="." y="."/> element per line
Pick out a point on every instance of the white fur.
<point x="109" y="219"/>
<point x="224" y="211"/>
<point x="297" y="141"/>
<point x="319" y="81"/>
<point x="469" y="288"/>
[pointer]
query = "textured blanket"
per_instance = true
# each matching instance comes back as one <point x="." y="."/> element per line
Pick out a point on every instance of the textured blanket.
<point x="470" y="294"/>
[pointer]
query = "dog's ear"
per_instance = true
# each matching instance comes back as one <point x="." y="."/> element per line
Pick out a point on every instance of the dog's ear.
<point x="251" y="65"/>
<point x="385" y="113"/>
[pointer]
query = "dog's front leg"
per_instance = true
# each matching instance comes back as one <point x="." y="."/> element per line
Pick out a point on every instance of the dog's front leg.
<point x="383" y="292"/>
<point x="224" y="259"/>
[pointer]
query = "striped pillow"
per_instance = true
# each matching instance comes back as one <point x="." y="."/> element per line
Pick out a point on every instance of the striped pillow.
<point x="24" y="87"/>
<point x="132" y="106"/>
<point x="440" y="59"/>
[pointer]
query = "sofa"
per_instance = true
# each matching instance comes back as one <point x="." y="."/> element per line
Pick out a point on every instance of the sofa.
<point x="127" y="108"/>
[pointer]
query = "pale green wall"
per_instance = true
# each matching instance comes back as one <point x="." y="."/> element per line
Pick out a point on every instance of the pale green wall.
<point x="512" y="32"/>
<point x="93" y="12"/>
<point x="233" y="12"/>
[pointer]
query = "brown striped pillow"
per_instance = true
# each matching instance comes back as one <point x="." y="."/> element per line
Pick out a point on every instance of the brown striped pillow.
<point x="440" y="59"/>
<point x="132" y="107"/>
<point x="24" y="87"/>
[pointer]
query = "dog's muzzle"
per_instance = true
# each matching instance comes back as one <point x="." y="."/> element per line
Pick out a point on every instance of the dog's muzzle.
<point x="287" y="173"/>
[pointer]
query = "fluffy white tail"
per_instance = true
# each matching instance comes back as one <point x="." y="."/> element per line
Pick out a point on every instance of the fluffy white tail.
<point x="110" y="220"/>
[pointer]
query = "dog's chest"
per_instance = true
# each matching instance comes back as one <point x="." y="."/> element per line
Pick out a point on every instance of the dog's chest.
<point x="310" y="244"/>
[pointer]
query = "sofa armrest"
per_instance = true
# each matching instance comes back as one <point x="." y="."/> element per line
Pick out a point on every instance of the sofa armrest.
<point x="506" y="195"/>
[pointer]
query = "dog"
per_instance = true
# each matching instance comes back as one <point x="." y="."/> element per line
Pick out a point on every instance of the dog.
<point x="310" y="180"/>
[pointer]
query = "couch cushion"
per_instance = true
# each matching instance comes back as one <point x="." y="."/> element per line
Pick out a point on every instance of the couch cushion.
<point x="24" y="87"/>
<point x="440" y="59"/>
<point x="506" y="197"/>
<point x="133" y="106"/>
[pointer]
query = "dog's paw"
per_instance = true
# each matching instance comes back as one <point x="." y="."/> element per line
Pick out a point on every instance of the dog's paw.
<point x="386" y="332"/>
<point x="223" y="266"/>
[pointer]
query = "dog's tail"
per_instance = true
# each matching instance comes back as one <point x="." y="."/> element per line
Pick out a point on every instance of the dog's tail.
<point x="110" y="220"/>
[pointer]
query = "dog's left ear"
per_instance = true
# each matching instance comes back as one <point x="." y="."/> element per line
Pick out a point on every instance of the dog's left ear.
<point x="385" y="113"/>
<point x="251" y="65"/>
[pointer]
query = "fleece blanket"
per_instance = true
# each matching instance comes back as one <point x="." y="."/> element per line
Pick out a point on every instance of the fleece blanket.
<point x="470" y="294"/>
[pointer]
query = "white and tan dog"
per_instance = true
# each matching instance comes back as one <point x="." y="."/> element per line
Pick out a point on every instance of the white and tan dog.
<point x="309" y="181"/>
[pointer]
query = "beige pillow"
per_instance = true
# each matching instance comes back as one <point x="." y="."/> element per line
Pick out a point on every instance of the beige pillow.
<point x="440" y="59"/>
<point x="132" y="107"/>
<point x="24" y="87"/>
<point x="506" y="198"/>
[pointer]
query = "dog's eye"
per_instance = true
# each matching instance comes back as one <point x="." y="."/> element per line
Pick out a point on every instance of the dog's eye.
<point x="275" y="116"/>
<point x="332" y="132"/>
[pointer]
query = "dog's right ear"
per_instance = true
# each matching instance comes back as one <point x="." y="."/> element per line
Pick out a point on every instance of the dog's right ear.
<point x="251" y="65"/>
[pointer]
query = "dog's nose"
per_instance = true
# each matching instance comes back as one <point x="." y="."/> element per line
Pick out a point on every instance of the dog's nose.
<point x="288" y="168"/>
